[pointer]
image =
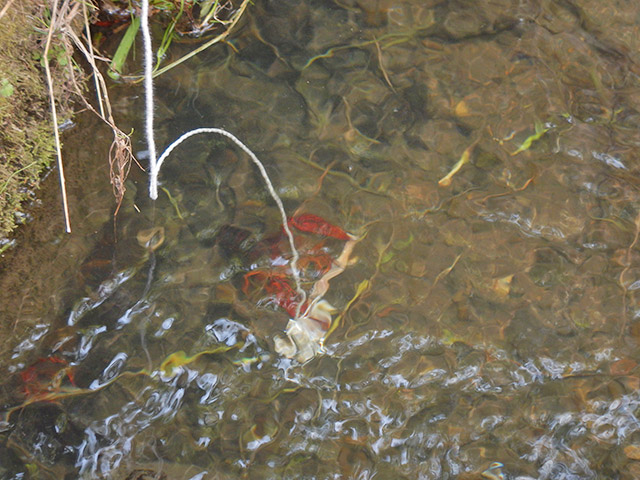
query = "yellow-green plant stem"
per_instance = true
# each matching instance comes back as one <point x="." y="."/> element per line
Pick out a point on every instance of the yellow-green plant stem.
<point x="206" y="45"/>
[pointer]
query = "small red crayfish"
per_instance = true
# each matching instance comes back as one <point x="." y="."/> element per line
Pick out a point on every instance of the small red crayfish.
<point x="46" y="375"/>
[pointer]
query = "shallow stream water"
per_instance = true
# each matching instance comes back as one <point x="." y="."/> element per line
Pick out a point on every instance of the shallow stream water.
<point x="485" y="154"/>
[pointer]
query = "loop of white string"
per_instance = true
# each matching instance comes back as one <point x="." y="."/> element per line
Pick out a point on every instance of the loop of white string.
<point x="155" y="164"/>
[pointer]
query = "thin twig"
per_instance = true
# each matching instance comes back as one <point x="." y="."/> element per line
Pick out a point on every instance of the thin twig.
<point x="5" y="8"/>
<point x="338" y="174"/>
<point x="120" y="154"/>
<point x="445" y="272"/>
<point x="54" y="116"/>
<point x="623" y="273"/>
<point x="91" y="59"/>
<point x="92" y="56"/>
<point x="384" y="71"/>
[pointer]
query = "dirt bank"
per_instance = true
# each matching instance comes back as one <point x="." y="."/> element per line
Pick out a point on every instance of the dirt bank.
<point x="26" y="132"/>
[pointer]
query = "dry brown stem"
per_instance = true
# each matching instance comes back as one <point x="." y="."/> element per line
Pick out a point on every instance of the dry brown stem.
<point x="626" y="268"/>
<point x="384" y="70"/>
<point x="5" y="8"/>
<point x="54" y="116"/>
<point x="120" y="153"/>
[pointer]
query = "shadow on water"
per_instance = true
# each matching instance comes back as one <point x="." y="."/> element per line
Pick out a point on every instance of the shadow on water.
<point x="486" y="153"/>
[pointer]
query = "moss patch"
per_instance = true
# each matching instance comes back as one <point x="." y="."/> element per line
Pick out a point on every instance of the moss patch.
<point x="26" y="133"/>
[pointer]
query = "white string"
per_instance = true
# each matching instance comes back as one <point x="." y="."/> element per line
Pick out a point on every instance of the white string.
<point x="272" y="192"/>
<point x="148" y="99"/>
<point x="155" y="164"/>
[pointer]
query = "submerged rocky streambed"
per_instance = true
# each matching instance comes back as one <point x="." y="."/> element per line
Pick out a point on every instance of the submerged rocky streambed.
<point x="484" y="154"/>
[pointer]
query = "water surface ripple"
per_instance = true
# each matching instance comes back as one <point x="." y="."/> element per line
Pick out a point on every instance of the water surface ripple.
<point x="485" y="151"/>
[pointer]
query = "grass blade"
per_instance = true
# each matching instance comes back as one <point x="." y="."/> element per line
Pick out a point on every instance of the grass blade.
<point x="117" y="63"/>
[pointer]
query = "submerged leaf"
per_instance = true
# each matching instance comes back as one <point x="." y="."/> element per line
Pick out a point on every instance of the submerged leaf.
<point x="308" y="222"/>
<point x="466" y="155"/>
<point x="180" y="358"/>
<point x="151" y="238"/>
<point x="540" y="131"/>
<point x="175" y="360"/>
<point x="494" y="472"/>
<point x="632" y="452"/>
<point x="502" y="286"/>
<point x="305" y="334"/>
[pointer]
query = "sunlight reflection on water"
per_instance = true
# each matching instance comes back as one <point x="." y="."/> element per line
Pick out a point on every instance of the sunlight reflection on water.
<point x="486" y="326"/>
